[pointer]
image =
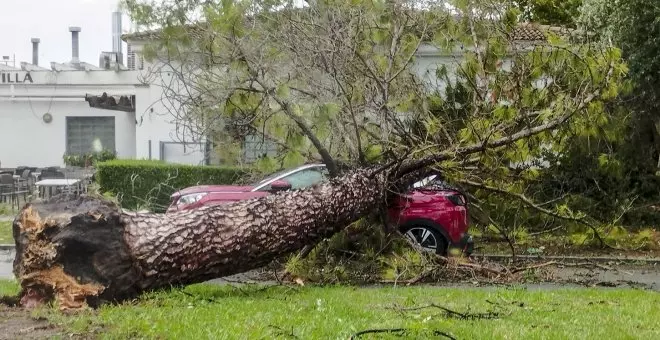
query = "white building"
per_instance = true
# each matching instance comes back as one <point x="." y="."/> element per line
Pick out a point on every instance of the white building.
<point x="43" y="114"/>
<point x="47" y="112"/>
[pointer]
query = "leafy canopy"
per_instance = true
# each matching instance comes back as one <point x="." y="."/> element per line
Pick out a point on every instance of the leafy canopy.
<point x="359" y="82"/>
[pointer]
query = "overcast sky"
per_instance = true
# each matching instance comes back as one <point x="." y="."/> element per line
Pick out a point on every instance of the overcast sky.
<point x="49" y="20"/>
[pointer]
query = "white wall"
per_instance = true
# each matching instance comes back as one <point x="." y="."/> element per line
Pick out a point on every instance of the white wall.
<point x="157" y="121"/>
<point x="25" y="139"/>
<point x="157" y="124"/>
<point x="426" y="66"/>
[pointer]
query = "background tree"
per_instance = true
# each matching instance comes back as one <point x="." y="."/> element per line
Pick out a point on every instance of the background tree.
<point x="614" y="170"/>
<point x="607" y="168"/>
<point x="550" y="12"/>
<point x="632" y="26"/>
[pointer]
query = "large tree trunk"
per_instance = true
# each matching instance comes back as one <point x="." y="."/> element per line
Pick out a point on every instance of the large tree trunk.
<point x="86" y="251"/>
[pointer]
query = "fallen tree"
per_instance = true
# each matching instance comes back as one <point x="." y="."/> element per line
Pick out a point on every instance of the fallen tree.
<point x="319" y="82"/>
<point x="85" y="251"/>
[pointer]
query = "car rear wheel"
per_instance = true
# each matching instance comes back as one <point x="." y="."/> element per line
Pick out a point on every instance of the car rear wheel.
<point x="427" y="238"/>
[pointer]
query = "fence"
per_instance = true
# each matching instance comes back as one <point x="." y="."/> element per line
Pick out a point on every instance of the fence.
<point x="183" y="153"/>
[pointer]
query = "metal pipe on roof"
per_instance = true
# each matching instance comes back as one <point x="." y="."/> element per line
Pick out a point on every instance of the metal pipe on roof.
<point x="116" y="36"/>
<point x="35" y="51"/>
<point x="75" y="44"/>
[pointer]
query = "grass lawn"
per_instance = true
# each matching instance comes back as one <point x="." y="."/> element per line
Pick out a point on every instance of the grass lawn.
<point x="8" y="287"/>
<point x="5" y="233"/>
<point x="206" y="311"/>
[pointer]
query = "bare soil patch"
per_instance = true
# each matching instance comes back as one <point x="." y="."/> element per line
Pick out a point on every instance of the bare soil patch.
<point x="18" y="323"/>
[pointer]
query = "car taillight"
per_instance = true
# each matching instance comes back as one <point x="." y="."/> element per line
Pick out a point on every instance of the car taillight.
<point x="457" y="199"/>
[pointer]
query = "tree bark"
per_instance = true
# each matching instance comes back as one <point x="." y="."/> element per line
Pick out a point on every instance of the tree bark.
<point x="86" y="251"/>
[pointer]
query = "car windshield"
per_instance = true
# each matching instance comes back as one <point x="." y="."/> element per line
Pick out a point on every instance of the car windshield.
<point x="272" y="176"/>
<point x="431" y="181"/>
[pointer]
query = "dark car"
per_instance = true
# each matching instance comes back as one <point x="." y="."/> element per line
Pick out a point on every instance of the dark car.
<point x="430" y="213"/>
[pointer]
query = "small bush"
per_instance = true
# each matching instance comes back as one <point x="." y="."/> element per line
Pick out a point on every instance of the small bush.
<point x="88" y="159"/>
<point x="142" y="184"/>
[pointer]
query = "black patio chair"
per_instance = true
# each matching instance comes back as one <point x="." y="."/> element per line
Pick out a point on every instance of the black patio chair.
<point x="50" y="174"/>
<point x="8" y="190"/>
<point x="23" y="184"/>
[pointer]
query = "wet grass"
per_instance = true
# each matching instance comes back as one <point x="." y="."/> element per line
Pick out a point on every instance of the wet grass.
<point x="337" y="312"/>
<point x="6" y="233"/>
<point x="8" y="287"/>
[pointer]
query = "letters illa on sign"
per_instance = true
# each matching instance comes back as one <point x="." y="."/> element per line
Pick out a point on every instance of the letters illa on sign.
<point x="15" y="78"/>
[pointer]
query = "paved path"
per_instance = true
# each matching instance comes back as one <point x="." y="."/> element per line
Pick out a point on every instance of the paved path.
<point x="625" y="276"/>
<point x="6" y="263"/>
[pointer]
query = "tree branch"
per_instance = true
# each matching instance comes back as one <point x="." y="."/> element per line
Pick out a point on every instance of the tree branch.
<point x="414" y="165"/>
<point x="307" y="131"/>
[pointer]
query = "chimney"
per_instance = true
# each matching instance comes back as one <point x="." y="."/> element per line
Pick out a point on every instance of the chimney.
<point x="75" y="44"/>
<point x="35" y="51"/>
<point x="116" y="36"/>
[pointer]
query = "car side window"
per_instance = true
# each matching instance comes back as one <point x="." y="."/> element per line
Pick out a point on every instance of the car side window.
<point x="305" y="178"/>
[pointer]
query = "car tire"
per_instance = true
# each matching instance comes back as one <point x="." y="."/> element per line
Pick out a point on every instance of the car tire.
<point x="427" y="237"/>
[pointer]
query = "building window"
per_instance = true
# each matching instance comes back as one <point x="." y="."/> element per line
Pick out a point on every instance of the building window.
<point x="88" y="134"/>
<point x="255" y="147"/>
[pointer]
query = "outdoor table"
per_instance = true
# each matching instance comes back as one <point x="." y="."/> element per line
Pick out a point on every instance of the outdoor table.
<point x="50" y="184"/>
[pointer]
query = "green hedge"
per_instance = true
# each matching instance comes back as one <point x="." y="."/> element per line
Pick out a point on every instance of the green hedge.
<point x="143" y="184"/>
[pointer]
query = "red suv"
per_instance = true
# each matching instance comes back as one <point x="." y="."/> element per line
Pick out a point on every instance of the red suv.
<point x="429" y="213"/>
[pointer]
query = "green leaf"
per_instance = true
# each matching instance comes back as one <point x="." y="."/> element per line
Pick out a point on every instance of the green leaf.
<point x="329" y="111"/>
<point x="378" y="36"/>
<point x="295" y="140"/>
<point x="380" y="61"/>
<point x="293" y="159"/>
<point x="283" y="91"/>
<point x="266" y="164"/>
<point x="297" y="109"/>
<point x="503" y="112"/>
<point x="545" y="114"/>
<point x="465" y="135"/>
<point x="432" y="126"/>
<point x="554" y="39"/>
<point x="373" y="152"/>
<point x="493" y="229"/>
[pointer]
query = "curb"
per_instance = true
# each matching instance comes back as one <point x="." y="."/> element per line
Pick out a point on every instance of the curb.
<point x="573" y="258"/>
<point x="9" y="247"/>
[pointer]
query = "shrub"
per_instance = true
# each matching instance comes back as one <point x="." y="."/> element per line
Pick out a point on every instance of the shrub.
<point x="143" y="184"/>
<point x="88" y="159"/>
